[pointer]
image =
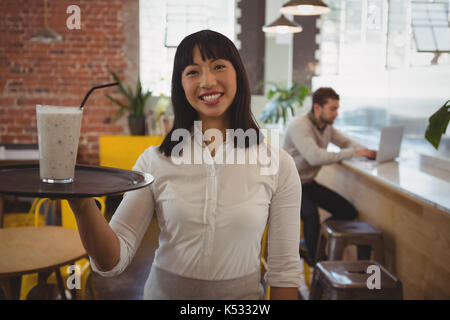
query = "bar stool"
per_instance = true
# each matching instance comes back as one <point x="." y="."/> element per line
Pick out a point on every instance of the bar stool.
<point x="348" y="280"/>
<point x="340" y="233"/>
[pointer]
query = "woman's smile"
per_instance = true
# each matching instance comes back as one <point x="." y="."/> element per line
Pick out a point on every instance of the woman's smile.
<point x="211" y="98"/>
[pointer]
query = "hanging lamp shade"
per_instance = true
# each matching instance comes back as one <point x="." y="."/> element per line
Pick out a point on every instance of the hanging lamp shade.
<point x="282" y="26"/>
<point x="45" y="35"/>
<point x="305" y="7"/>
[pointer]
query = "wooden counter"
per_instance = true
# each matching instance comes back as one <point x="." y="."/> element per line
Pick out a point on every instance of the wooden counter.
<point x="414" y="218"/>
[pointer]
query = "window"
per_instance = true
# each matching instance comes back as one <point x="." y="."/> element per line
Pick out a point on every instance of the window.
<point x="431" y="26"/>
<point x="390" y="62"/>
<point x="359" y="36"/>
<point x="353" y="37"/>
<point x="164" y="23"/>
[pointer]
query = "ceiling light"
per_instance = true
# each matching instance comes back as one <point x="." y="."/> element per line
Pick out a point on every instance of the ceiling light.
<point x="305" y="8"/>
<point x="282" y="26"/>
<point x="46" y="35"/>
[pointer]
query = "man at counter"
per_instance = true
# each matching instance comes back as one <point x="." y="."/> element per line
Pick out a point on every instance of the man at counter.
<point x="306" y="140"/>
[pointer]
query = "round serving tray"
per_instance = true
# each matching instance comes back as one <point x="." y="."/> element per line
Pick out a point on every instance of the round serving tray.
<point x="89" y="181"/>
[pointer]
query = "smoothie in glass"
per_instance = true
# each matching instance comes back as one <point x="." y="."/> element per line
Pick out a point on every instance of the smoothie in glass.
<point x="58" y="136"/>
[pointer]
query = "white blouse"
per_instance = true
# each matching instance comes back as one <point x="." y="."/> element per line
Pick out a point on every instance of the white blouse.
<point x="212" y="217"/>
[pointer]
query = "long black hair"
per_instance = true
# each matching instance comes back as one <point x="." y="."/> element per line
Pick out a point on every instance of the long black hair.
<point x="212" y="45"/>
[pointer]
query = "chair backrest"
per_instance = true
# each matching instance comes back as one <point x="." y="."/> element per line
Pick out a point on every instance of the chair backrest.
<point x="264" y="267"/>
<point x="123" y="151"/>
<point x="37" y="210"/>
<point x="263" y="257"/>
<point x="68" y="218"/>
<point x="21" y="219"/>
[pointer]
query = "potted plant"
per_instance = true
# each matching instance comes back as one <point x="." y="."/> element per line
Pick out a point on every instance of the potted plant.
<point x="135" y="106"/>
<point x="282" y="101"/>
<point x="437" y="125"/>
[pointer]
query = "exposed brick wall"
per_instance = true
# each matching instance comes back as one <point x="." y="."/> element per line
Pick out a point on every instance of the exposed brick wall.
<point x="61" y="73"/>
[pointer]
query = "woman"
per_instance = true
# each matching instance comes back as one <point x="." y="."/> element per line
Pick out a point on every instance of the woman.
<point x="211" y="215"/>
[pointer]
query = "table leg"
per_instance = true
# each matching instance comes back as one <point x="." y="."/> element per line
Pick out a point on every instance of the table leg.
<point x="11" y="287"/>
<point x="61" y="287"/>
<point x="7" y="288"/>
<point x="1" y="209"/>
<point x="74" y="293"/>
<point x="42" y="288"/>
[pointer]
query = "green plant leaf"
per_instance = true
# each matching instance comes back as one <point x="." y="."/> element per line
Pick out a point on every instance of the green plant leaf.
<point x="292" y="109"/>
<point x="120" y="104"/>
<point x="270" y="94"/>
<point x="282" y="97"/>
<point x="147" y="95"/>
<point x="269" y="110"/>
<point x="283" y="113"/>
<point x="136" y="100"/>
<point x="437" y="125"/>
<point x="122" y="89"/>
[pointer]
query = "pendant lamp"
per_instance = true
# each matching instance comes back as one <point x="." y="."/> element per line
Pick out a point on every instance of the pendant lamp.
<point x="305" y="8"/>
<point x="46" y="35"/>
<point x="282" y="26"/>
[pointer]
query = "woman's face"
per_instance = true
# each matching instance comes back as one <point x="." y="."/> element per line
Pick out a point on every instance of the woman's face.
<point x="210" y="86"/>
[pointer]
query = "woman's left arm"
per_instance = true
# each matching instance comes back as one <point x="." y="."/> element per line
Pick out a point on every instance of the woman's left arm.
<point x="284" y="231"/>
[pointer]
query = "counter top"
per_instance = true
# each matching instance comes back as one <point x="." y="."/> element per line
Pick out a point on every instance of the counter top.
<point x="422" y="177"/>
<point x="8" y="155"/>
<point x="420" y="181"/>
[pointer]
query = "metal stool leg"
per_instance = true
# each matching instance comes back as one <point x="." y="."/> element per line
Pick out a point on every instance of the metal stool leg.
<point x="320" y="253"/>
<point x="316" y="289"/>
<point x="335" y="248"/>
<point x="379" y="251"/>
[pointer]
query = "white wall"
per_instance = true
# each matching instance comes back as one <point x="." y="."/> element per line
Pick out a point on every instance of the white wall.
<point x="279" y="49"/>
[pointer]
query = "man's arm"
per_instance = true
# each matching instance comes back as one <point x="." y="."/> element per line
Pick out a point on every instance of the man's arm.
<point x="343" y="142"/>
<point x="303" y="140"/>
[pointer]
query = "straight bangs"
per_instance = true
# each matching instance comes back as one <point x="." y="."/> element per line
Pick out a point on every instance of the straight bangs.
<point x="210" y="48"/>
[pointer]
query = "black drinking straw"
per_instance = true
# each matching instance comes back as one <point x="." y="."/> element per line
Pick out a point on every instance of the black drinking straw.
<point x="94" y="88"/>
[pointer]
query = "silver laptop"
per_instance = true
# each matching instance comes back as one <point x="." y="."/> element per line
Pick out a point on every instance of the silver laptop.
<point x="390" y="143"/>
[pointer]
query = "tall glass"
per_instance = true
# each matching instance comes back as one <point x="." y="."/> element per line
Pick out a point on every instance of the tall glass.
<point x="58" y="136"/>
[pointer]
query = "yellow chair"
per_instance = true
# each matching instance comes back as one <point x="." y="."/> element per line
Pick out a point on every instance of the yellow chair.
<point x="264" y="267"/>
<point x="68" y="221"/>
<point x="24" y="219"/>
<point x="306" y="267"/>
<point x="21" y="219"/>
<point x="123" y="151"/>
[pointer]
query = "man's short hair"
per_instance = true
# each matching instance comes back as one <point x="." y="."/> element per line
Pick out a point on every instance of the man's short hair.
<point x="321" y="96"/>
